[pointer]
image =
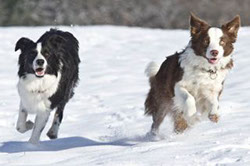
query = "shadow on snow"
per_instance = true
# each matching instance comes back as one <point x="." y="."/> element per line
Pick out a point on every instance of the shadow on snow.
<point x="55" y="145"/>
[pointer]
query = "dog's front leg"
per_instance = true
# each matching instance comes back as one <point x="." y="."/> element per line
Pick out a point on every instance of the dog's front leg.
<point x="23" y="125"/>
<point x="213" y="105"/>
<point x="40" y="122"/>
<point x="184" y="101"/>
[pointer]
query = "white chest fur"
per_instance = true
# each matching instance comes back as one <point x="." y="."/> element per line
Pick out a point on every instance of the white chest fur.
<point x="35" y="92"/>
<point x="201" y="83"/>
<point x="198" y="89"/>
<point x="197" y="79"/>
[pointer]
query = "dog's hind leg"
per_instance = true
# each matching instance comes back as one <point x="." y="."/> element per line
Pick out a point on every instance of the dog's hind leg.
<point x="40" y="122"/>
<point x="53" y="131"/>
<point x="23" y="125"/>
<point x="158" y="118"/>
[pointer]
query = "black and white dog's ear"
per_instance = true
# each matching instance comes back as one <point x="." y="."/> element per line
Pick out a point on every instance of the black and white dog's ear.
<point x="56" y="41"/>
<point x="23" y="43"/>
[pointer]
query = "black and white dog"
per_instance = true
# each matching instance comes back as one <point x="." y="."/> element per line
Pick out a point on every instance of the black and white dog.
<point x="48" y="73"/>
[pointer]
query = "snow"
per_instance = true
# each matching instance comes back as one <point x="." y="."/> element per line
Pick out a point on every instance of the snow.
<point x="104" y="124"/>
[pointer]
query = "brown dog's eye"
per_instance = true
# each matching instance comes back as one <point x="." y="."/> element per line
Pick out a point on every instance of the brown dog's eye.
<point x="222" y="43"/>
<point x="206" y="41"/>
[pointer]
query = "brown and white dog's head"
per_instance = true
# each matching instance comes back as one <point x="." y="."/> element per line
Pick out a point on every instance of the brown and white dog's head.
<point x="213" y="43"/>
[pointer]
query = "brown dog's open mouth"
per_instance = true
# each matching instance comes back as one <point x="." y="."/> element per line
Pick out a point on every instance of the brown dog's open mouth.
<point x="40" y="72"/>
<point x="213" y="60"/>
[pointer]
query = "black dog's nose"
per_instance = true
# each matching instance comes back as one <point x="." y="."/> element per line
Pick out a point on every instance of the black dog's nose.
<point x="40" y="62"/>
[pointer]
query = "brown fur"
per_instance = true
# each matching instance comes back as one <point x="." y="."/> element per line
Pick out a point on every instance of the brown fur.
<point x="231" y="28"/>
<point x="199" y="39"/>
<point x="159" y="100"/>
<point x="230" y="31"/>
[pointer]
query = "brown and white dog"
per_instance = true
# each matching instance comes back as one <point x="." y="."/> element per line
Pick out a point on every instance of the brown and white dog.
<point x="188" y="85"/>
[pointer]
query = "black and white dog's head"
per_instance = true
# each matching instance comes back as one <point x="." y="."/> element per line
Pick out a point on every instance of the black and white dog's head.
<point x="41" y="57"/>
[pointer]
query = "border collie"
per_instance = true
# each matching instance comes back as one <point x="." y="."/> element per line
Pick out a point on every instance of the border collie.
<point x="48" y="74"/>
<point x="187" y="86"/>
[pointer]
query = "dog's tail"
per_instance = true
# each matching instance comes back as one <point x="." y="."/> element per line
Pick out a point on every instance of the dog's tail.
<point x="152" y="69"/>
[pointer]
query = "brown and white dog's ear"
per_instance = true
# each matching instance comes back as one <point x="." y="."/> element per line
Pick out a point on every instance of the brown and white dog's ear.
<point x="197" y="24"/>
<point x="232" y="28"/>
<point x="23" y="43"/>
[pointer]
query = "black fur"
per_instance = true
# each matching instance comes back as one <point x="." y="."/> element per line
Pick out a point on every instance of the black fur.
<point x="64" y="47"/>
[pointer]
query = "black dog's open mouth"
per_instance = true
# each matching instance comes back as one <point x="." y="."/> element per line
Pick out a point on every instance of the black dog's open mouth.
<point x="40" y="72"/>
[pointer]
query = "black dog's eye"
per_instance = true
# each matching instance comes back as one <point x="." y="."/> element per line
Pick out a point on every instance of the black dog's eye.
<point x="33" y="53"/>
<point x="46" y="54"/>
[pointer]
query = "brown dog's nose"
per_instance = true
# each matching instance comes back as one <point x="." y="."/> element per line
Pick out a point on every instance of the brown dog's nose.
<point x="214" y="52"/>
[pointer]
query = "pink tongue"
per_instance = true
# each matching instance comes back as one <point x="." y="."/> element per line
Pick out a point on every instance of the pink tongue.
<point x="213" y="61"/>
<point x="39" y="73"/>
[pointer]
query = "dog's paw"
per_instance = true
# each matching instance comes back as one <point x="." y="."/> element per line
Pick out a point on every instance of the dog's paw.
<point x="180" y="127"/>
<point x="214" y="118"/>
<point x="21" y="129"/>
<point x="152" y="136"/>
<point x="29" y="125"/>
<point x="51" y="134"/>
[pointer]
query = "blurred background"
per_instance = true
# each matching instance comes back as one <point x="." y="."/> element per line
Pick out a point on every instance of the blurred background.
<point x="166" y="14"/>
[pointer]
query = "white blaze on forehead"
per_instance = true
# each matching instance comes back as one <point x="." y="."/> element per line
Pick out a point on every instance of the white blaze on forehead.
<point x="39" y="56"/>
<point x="215" y="35"/>
<point x="39" y="49"/>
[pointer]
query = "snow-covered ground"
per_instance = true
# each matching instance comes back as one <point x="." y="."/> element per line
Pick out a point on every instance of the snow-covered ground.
<point x="104" y="124"/>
